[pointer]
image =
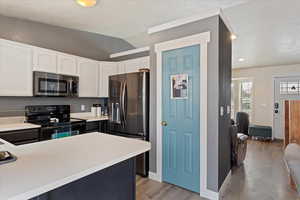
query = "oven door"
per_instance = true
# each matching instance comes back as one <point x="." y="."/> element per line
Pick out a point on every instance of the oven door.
<point x="48" y="84"/>
<point x="56" y="132"/>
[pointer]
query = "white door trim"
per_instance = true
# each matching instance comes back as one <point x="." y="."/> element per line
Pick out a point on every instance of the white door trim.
<point x="201" y="39"/>
<point x="274" y="77"/>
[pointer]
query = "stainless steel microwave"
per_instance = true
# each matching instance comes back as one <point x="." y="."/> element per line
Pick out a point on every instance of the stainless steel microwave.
<point x="55" y="85"/>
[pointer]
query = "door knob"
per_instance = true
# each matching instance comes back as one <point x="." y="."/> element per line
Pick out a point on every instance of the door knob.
<point x="164" y="123"/>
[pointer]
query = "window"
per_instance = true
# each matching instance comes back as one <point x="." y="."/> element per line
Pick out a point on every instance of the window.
<point x="241" y="97"/>
<point x="246" y="97"/>
<point x="290" y="87"/>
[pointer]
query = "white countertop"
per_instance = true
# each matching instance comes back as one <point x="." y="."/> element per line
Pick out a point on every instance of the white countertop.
<point x="17" y="126"/>
<point x="88" y="116"/>
<point x="47" y="165"/>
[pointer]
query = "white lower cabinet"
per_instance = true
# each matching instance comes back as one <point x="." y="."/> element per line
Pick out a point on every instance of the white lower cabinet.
<point x="15" y="69"/>
<point x="106" y="69"/>
<point x="88" y="77"/>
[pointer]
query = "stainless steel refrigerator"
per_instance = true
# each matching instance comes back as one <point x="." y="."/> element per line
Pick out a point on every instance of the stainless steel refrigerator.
<point x="129" y="110"/>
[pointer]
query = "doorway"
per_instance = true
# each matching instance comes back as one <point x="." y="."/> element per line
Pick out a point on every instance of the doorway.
<point x="202" y="41"/>
<point x="285" y="88"/>
<point x="180" y="114"/>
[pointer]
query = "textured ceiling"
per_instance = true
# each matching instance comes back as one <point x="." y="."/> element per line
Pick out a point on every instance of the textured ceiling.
<point x="267" y="29"/>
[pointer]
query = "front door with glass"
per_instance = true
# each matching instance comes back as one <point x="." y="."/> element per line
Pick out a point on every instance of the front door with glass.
<point x="285" y="88"/>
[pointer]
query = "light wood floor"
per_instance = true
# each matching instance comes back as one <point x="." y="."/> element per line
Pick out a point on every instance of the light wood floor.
<point x="262" y="177"/>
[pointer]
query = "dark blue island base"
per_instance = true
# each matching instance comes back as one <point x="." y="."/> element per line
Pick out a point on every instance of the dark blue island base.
<point x="113" y="183"/>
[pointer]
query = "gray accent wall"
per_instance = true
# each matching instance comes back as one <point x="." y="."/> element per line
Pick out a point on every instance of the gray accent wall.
<point x="225" y="68"/>
<point x="209" y="24"/>
<point x="15" y="106"/>
<point x="80" y="43"/>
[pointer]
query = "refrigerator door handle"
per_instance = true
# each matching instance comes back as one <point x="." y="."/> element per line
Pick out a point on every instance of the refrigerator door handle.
<point x="112" y="112"/>
<point x="121" y="104"/>
<point x="118" y="119"/>
<point x="70" y="88"/>
<point x="124" y="102"/>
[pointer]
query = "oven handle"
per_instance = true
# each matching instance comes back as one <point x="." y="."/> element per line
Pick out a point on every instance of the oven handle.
<point x="56" y="127"/>
<point x="70" y="89"/>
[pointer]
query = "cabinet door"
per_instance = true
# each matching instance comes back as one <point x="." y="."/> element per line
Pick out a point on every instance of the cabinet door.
<point x="132" y="65"/>
<point x="106" y="69"/>
<point x="67" y="64"/>
<point x="15" y="69"/>
<point x="88" y="77"/>
<point x="144" y="62"/>
<point x="44" y="60"/>
<point x="121" y="67"/>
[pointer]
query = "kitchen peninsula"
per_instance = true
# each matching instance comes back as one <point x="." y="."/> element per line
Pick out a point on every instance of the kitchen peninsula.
<point x="89" y="166"/>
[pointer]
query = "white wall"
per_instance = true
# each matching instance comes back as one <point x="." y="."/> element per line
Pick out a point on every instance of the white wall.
<point x="263" y="86"/>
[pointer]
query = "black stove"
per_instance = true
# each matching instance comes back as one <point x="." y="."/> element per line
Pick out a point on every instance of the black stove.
<point x="47" y="115"/>
<point x="55" y="121"/>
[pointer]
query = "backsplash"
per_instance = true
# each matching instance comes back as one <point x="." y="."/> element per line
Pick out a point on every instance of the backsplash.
<point x="15" y="106"/>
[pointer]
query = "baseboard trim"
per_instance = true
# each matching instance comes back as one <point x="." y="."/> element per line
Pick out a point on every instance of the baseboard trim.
<point x="224" y="186"/>
<point x="206" y="193"/>
<point x="212" y="195"/>
<point x="154" y="176"/>
<point x="209" y="194"/>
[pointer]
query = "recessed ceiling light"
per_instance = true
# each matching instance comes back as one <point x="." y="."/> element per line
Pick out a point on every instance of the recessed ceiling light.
<point x="233" y="37"/>
<point x="87" y="3"/>
<point x="241" y="59"/>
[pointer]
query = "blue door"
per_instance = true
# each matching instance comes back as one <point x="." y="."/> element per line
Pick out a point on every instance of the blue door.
<point x="181" y="117"/>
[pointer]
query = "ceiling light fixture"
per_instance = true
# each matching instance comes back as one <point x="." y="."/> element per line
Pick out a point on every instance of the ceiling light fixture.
<point x="241" y="59"/>
<point x="87" y="3"/>
<point x="233" y="37"/>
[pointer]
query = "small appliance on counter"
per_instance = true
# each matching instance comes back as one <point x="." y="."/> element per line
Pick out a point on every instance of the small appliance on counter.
<point x="55" y="121"/>
<point x="96" y="110"/>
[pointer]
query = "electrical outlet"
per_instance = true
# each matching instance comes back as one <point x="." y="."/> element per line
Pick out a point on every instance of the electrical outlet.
<point x="82" y="107"/>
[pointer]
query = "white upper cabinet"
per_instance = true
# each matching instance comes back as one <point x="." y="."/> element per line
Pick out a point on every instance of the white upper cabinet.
<point x="15" y="69"/>
<point x="106" y="69"/>
<point x="44" y="60"/>
<point x="88" y="77"/>
<point x="67" y="64"/>
<point x="144" y="62"/>
<point x="121" y="67"/>
<point x="133" y="65"/>
<point x="18" y="61"/>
